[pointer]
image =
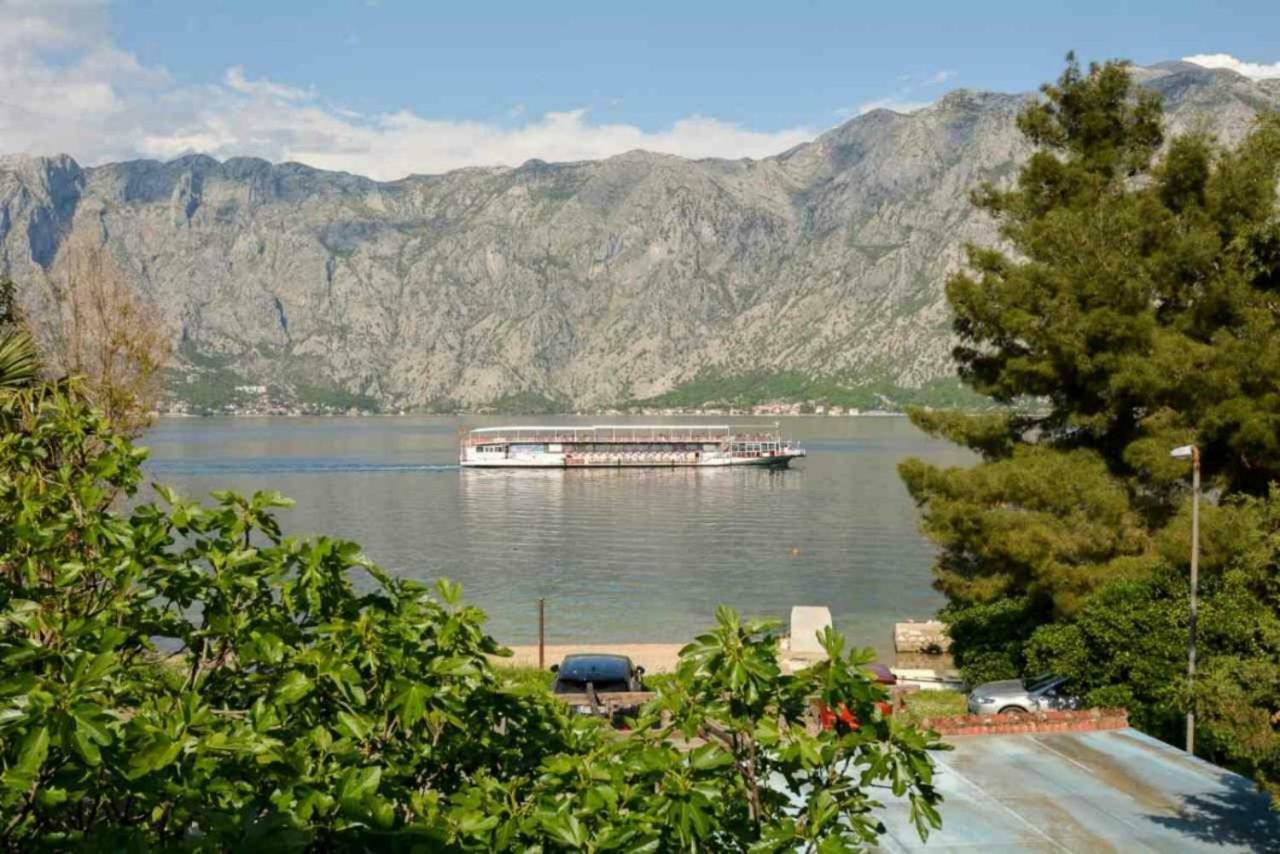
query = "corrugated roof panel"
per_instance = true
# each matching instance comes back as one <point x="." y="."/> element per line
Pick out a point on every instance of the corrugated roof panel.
<point x="1085" y="792"/>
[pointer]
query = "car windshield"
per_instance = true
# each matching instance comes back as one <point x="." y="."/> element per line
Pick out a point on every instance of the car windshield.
<point x="1040" y="682"/>
<point x="604" y="672"/>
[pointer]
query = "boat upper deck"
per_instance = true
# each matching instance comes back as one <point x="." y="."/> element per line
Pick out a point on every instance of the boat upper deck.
<point x="620" y="433"/>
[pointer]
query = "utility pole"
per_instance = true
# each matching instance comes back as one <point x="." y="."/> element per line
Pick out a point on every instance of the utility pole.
<point x="1194" y="453"/>
<point x="542" y="659"/>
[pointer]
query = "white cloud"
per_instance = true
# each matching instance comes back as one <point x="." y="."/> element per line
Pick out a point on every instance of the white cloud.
<point x="895" y="104"/>
<point x="906" y="99"/>
<point x="235" y="79"/>
<point x="66" y="87"/>
<point x="1252" y="70"/>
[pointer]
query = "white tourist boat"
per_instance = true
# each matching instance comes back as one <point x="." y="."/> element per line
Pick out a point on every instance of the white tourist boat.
<point x="626" y="446"/>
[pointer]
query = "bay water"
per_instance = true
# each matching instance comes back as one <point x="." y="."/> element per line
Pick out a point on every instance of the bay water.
<point x="641" y="555"/>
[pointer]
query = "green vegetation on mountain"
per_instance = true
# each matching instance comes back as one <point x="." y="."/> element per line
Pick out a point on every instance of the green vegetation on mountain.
<point x="1141" y="303"/>
<point x="205" y="383"/>
<point x="526" y="403"/>
<point x="333" y="397"/>
<point x="712" y="389"/>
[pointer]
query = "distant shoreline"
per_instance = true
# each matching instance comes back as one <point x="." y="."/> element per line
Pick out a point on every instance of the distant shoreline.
<point x="185" y="416"/>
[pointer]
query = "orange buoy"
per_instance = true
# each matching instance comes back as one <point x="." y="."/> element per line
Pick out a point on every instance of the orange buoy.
<point x="795" y="553"/>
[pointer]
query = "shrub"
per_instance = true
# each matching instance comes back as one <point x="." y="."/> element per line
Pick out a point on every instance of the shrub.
<point x="185" y="676"/>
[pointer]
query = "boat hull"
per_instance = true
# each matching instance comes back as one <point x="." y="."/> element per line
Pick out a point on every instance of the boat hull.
<point x="777" y="462"/>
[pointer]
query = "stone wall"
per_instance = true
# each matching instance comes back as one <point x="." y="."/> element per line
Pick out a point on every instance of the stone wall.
<point x="927" y="636"/>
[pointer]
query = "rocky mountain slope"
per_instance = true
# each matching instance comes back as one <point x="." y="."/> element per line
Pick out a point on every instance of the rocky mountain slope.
<point x="583" y="284"/>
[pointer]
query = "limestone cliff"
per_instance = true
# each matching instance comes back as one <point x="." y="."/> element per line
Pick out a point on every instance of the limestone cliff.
<point x="587" y="283"/>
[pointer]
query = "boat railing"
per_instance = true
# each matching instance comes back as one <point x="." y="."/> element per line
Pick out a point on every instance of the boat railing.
<point x="612" y="435"/>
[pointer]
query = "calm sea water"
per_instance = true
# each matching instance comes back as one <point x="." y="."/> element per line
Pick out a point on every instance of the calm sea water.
<point x="618" y="555"/>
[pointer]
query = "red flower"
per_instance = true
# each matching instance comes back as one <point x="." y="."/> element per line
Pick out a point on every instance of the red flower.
<point x="827" y="718"/>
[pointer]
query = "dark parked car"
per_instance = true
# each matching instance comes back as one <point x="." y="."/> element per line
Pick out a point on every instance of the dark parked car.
<point x="601" y="672"/>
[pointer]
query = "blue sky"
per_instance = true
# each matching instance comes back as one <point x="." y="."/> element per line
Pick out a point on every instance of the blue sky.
<point x="389" y="87"/>
<point x="767" y="65"/>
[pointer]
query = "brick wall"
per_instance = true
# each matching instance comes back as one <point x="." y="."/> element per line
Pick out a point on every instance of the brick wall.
<point x="1087" y="720"/>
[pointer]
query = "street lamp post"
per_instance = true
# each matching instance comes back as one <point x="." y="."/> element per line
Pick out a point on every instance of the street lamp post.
<point x="1193" y="453"/>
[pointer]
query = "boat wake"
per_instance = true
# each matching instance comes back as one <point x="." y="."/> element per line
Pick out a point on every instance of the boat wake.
<point x="290" y="465"/>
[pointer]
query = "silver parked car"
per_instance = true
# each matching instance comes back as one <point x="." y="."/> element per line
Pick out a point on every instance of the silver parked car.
<point x="1019" y="696"/>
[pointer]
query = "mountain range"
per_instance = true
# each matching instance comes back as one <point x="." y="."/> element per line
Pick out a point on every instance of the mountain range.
<point x="564" y="285"/>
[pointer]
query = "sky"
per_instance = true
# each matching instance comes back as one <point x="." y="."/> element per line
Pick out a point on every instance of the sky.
<point x="388" y="88"/>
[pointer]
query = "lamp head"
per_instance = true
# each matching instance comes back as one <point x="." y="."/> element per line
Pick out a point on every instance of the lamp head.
<point x="1183" y="453"/>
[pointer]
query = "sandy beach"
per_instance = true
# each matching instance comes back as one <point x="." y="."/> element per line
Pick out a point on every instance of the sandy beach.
<point x="653" y="657"/>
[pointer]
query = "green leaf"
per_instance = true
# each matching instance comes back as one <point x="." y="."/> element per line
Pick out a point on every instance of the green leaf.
<point x="354" y="726"/>
<point x="51" y="796"/>
<point x="268" y="647"/>
<point x="450" y="592"/>
<point x="19" y="359"/>
<point x="452" y="666"/>
<point x="358" y="784"/>
<point x="102" y="664"/>
<point x="474" y="823"/>
<point x="161" y="753"/>
<point x="293" y="687"/>
<point x="383" y="813"/>
<point x="19" y="777"/>
<point x="567" y="829"/>
<point x="93" y="722"/>
<point x="836" y="844"/>
<point x="411" y="701"/>
<point x="708" y="757"/>
<point x="83" y="742"/>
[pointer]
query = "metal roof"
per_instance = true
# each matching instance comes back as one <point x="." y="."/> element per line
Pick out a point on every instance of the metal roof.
<point x="1115" y="790"/>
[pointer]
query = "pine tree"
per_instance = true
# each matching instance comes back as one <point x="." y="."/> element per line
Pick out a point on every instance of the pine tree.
<point x="1136" y="308"/>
